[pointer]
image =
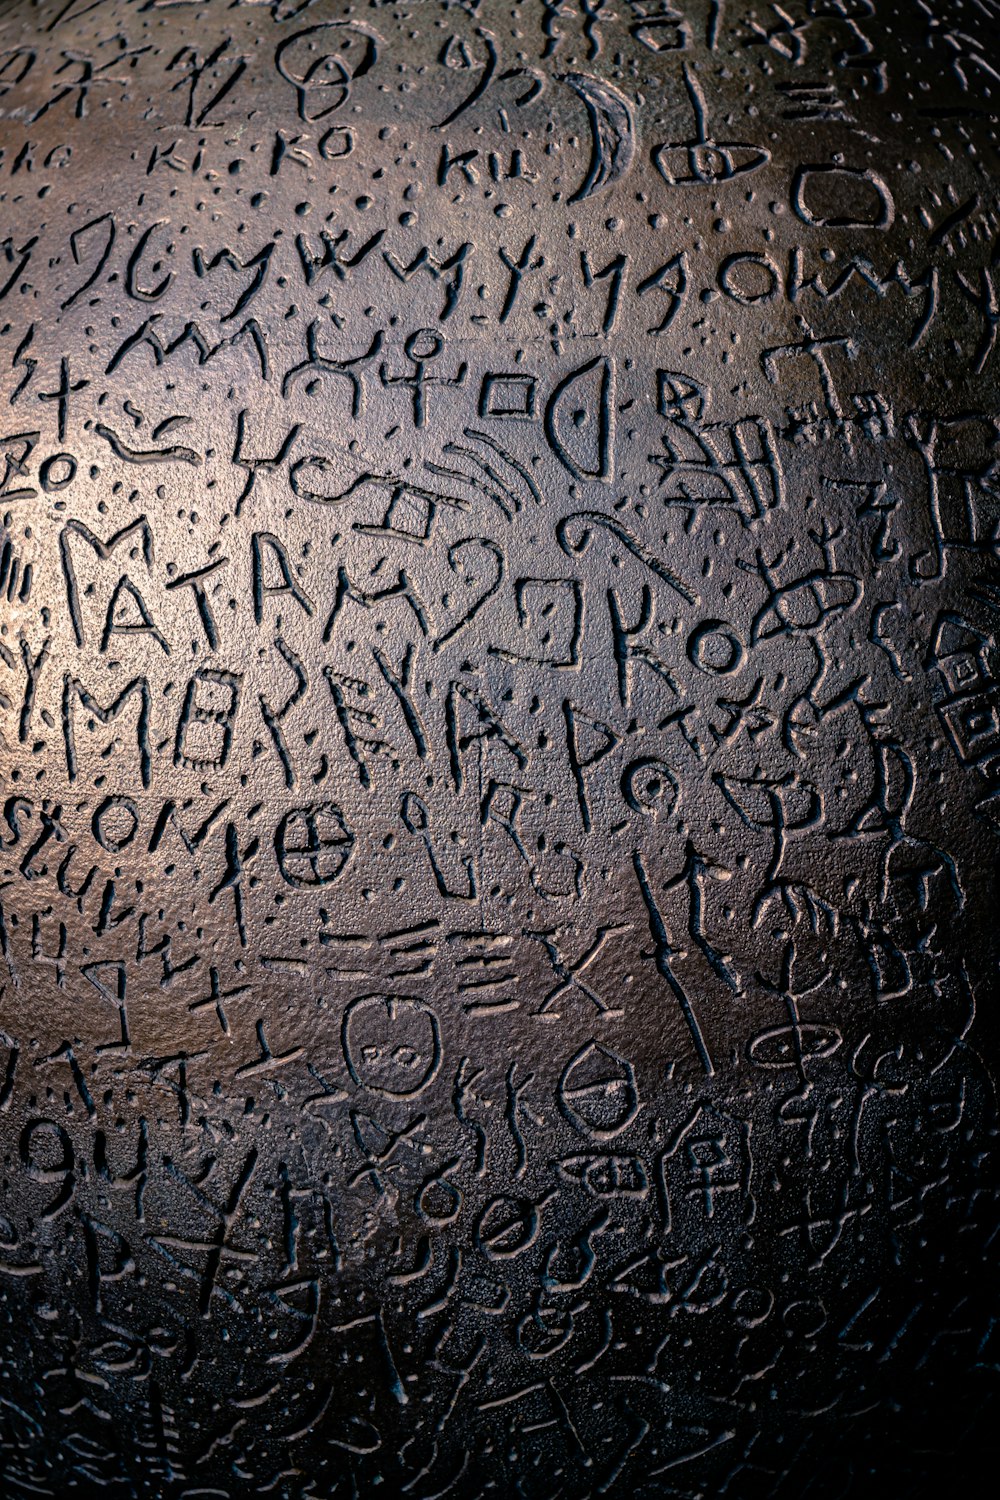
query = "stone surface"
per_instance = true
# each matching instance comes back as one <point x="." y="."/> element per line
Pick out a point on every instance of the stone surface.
<point x="500" y="735"/>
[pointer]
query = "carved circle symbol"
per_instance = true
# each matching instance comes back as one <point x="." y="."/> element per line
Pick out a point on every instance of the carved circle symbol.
<point x="649" y="786"/>
<point x="752" y="1306"/>
<point x="313" y="844"/>
<point x="321" y="79"/>
<point x="805" y="1318"/>
<point x="391" y="1044"/>
<point x="115" y="823"/>
<point x="439" y="1200"/>
<point x="424" y="344"/>
<point x="506" y="1227"/>
<point x="545" y="1330"/>
<point x="749" y="278"/>
<point x="598" y="1092"/>
<point x="715" y="648"/>
<point x="57" y="472"/>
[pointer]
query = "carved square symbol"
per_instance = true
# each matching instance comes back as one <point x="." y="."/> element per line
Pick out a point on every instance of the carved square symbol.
<point x="974" y="726"/>
<point x="508" y="396"/>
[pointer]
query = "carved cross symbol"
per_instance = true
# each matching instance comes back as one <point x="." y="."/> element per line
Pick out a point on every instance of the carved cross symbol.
<point x="62" y="394"/>
<point x="568" y="974"/>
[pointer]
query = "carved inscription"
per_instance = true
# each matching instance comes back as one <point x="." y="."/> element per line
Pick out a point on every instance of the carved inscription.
<point x="500" y="748"/>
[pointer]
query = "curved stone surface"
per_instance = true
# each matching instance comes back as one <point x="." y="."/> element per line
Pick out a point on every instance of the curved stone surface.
<point x="500" y="734"/>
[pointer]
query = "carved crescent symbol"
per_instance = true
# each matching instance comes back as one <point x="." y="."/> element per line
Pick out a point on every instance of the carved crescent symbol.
<point x="612" y="133"/>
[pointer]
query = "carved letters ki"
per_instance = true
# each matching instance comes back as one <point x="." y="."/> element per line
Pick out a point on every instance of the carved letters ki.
<point x="500" y="746"/>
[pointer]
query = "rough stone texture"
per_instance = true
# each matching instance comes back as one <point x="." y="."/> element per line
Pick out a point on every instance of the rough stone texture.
<point x="500" y="733"/>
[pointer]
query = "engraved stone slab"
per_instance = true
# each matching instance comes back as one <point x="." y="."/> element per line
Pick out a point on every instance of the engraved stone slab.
<point x="500" y="747"/>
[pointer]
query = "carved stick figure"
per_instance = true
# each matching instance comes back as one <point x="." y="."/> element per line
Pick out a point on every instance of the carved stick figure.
<point x="421" y="348"/>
